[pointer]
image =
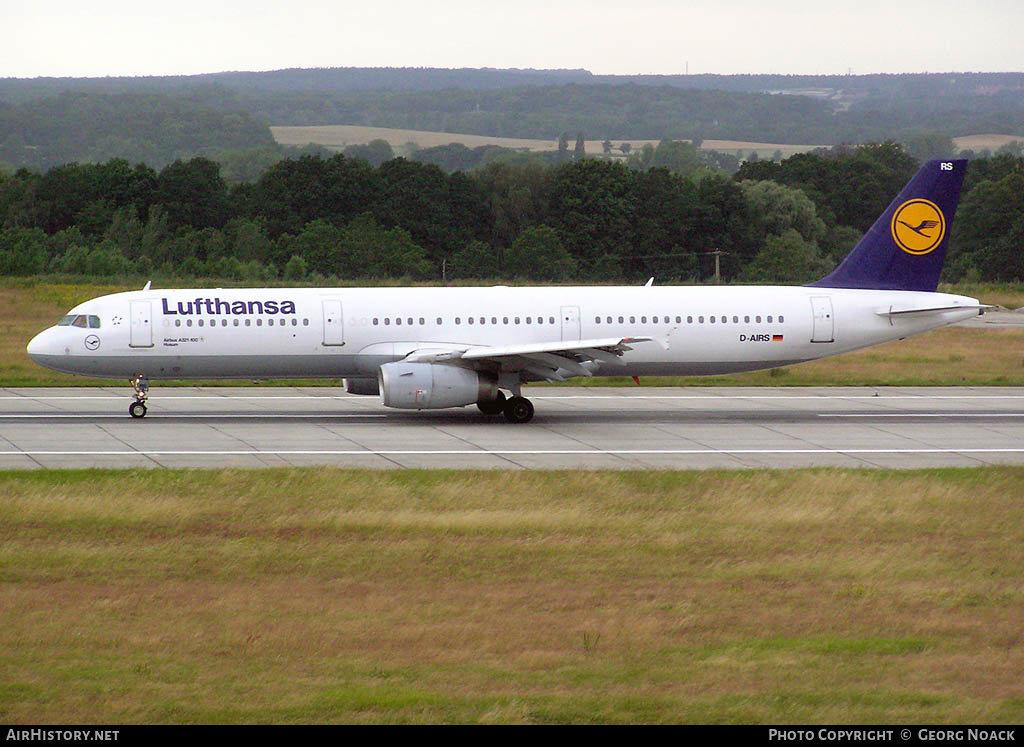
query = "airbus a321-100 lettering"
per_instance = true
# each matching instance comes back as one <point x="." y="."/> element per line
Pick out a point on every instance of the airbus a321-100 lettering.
<point x="431" y="348"/>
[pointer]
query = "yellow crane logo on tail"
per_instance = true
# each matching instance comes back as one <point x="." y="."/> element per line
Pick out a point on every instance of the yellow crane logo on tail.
<point x="918" y="226"/>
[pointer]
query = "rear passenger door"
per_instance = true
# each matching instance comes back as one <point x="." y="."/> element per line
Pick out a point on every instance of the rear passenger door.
<point x="334" y="323"/>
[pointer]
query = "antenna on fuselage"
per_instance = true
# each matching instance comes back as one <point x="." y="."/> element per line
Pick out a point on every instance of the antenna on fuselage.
<point x="649" y="283"/>
<point x="147" y="285"/>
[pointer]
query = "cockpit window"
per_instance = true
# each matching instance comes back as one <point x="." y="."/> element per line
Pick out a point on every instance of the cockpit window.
<point x="86" y="321"/>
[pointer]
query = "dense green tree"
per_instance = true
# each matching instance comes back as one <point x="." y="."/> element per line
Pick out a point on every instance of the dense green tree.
<point x="780" y="208"/>
<point x="296" y="191"/>
<point x="296" y="268"/>
<point x="580" y="151"/>
<point x="538" y="254"/>
<point x="678" y="156"/>
<point x="125" y="231"/>
<point x="924" y="146"/>
<point x="193" y="194"/>
<point x="475" y="260"/>
<point x="724" y="221"/>
<point x="317" y="245"/>
<point x="849" y="188"/>
<point x="519" y="196"/>
<point x="246" y="239"/>
<point x="987" y="228"/>
<point x="593" y="208"/>
<point x="370" y="250"/>
<point x="23" y="251"/>
<point x="666" y="207"/>
<point x="441" y="213"/>
<point x="374" y="153"/>
<point x="786" y="259"/>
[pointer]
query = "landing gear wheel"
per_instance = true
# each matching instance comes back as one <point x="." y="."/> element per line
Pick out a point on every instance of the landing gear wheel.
<point x="518" y="410"/>
<point x="494" y="406"/>
<point x="140" y="384"/>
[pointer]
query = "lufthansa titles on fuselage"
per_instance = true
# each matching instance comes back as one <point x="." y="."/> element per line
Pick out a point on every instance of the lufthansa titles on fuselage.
<point x="217" y="306"/>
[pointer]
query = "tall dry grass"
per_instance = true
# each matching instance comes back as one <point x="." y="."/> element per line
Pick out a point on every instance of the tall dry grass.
<point x="329" y="595"/>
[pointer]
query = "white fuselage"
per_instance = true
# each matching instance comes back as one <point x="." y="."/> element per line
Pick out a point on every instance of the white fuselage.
<point x="351" y="332"/>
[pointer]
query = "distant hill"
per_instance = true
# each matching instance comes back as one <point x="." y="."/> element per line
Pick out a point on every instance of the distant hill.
<point x="905" y="85"/>
<point x="50" y="120"/>
<point x="149" y="128"/>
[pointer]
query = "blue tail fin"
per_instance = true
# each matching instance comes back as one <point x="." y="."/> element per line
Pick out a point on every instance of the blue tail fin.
<point x="905" y="248"/>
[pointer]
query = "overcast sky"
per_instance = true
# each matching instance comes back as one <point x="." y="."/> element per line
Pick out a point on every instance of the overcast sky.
<point x="111" y="37"/>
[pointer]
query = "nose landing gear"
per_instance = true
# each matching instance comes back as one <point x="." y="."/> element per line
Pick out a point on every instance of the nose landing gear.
<point x="140" y="384"/>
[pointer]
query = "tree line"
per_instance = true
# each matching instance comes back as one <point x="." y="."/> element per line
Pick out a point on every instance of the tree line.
<point x="341" y="219"/>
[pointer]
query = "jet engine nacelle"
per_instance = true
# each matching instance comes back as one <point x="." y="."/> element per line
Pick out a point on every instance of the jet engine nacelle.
<point x="362" y="386"/>
<point x="430" y="386"/>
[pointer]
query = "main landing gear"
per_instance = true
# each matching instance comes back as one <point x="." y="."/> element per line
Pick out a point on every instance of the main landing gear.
<point x="516" y="409"/>
<point x="140" y="384"/>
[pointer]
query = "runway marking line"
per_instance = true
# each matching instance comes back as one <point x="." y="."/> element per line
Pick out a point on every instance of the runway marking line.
<point x="500" y="452"/>
<point x="711" y="397"/>
<point x="922" y="415"/>
<point x="176" y="416"/>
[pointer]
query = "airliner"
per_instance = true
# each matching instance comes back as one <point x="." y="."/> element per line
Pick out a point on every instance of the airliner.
<point x="433" y="348"/>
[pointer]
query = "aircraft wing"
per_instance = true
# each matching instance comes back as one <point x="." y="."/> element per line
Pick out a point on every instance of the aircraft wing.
<point x="551" y="361"/>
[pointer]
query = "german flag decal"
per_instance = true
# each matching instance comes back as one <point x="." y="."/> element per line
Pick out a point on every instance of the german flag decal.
<point x="776" y="338"/>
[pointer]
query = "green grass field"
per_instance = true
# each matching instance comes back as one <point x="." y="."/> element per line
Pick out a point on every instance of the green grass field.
<point x="322" y="595"/>
<point x="947" y="357"/>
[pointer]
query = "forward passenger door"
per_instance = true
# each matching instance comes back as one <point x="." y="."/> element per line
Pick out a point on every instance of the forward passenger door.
<point x="142" y="324"/>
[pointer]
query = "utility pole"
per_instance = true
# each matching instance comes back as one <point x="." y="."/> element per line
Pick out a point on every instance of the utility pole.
<point x="718" y="266"/>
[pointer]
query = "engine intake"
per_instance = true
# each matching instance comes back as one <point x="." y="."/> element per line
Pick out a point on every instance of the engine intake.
<point x="431" y="386"/>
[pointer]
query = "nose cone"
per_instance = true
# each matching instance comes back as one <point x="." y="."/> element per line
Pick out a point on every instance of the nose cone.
<point x="41" y="348"/>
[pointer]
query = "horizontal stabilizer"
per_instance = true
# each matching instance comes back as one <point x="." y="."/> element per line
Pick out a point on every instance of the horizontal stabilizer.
<point x="893" y="311"/>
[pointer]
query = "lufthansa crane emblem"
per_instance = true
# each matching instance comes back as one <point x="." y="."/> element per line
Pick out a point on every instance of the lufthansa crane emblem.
<point x="918" y="226"/>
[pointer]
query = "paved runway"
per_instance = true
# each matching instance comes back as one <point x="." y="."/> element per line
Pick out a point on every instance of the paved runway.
<point x="619" y="428"/>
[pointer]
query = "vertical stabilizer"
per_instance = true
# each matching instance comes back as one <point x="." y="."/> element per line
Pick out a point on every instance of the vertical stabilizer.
<point x="905" y="248"/>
